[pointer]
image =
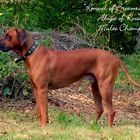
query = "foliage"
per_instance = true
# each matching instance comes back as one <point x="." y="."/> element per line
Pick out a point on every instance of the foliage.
<point x="13" y="81"/>
<point x="44" y="14"/>
<point x="64" y="15"/>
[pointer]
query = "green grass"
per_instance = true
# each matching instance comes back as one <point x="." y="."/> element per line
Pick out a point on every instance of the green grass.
<point x="16" y="126"/>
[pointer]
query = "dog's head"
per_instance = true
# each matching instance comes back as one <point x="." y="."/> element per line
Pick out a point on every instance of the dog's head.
<point x="13" y="39"/>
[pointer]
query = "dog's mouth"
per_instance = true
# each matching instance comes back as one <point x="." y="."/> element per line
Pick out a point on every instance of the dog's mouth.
<point x="4" y="48"/>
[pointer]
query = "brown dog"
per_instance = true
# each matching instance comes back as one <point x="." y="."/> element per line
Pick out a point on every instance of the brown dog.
<point x="53" y="69"/>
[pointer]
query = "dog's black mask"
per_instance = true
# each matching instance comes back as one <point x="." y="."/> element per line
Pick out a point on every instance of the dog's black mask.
<point x="4" y="48"/>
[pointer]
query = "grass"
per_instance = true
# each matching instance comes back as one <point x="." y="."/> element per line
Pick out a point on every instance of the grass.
<point x="15" y="126"/>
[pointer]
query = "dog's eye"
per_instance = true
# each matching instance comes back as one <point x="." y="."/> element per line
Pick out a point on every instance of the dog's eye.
<point x="7" y="37"/>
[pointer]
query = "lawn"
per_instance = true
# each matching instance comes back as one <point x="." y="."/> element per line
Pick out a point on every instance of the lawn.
<point x="70" y="127"/>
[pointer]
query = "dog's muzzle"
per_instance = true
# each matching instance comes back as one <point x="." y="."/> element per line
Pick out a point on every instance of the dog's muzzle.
<point x="4" y="48"/>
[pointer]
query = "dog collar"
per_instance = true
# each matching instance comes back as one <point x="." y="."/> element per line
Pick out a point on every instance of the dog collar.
<point x="29" y="52"/>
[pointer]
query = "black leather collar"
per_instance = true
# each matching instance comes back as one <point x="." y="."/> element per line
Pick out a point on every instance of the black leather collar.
<point x="29" y="52"/>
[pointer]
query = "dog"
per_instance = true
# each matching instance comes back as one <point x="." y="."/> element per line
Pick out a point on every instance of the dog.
<point x="52" y="69"/>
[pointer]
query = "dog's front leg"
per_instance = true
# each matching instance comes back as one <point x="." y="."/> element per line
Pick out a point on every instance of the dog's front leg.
<point x="42" y="104"/>
<point x="37" y="107"/>
<point x="37" y="102"/>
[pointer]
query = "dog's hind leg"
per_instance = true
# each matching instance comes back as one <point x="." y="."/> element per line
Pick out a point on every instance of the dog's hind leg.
<point x="98" y="101"/>
<point x="106" y="92"/>
<point x="106" y="73"/>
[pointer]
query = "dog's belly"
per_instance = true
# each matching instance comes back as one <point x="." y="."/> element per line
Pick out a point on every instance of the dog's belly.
<point x="61" y="84"/>
<point x="53" y="86"/>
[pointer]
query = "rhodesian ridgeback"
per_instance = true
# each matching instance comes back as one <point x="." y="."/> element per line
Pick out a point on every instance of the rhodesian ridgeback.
<point x="53" y="69"/>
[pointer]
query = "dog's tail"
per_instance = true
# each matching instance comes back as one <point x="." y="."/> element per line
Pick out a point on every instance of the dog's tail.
<point x="125" y="70"/>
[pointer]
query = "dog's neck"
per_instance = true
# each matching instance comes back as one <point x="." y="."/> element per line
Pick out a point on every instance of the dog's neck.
<point x="21" y="50"/>
<point x="27" y="45"/>
<point x="27" y="49"/>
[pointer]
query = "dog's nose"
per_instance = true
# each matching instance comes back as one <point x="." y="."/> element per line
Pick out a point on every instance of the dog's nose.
<point x="3" y="47"/>
<point x="0" y="44"/>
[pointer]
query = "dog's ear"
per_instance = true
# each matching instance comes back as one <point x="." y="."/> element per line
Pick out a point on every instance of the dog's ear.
<point x="5" y="29"/>
<point x="36" y="35"/>
<point x="22" y="35"/>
